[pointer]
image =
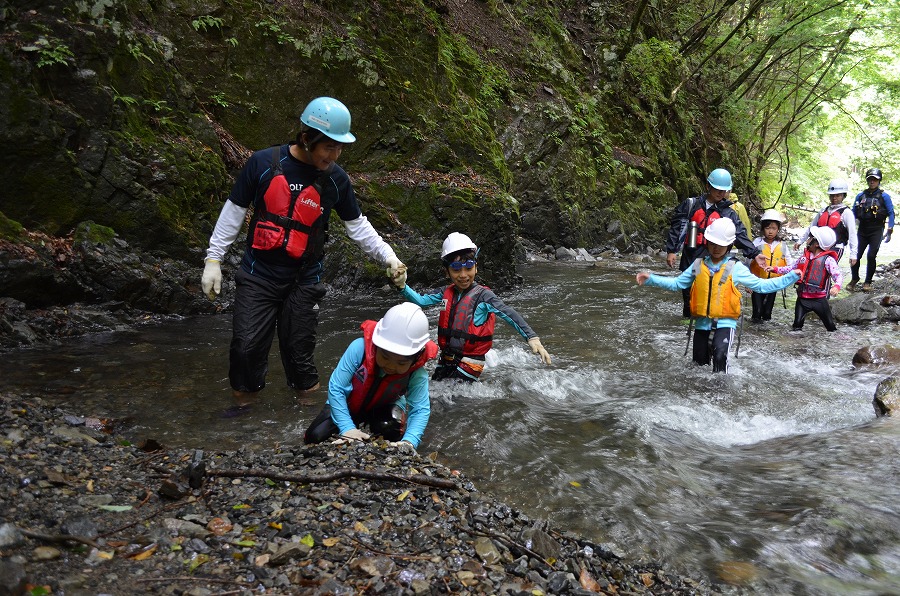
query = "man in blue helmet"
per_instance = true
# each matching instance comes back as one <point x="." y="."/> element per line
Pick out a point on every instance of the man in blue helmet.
<point x="693" y="216"/>
<point x="872" y="208"/>
<point x="292" y="188"/>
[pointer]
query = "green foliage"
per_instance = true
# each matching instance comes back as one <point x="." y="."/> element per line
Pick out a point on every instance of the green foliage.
<point x="50" y="51"/>
<point x="653" y="68"/>
<point x="276" y="29"/>
<point x="206" y="23"/>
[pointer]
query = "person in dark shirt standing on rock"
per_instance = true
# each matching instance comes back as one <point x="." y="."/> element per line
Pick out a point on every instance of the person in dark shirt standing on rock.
<point x="292" y="188"/>
<point x="872" y="208"/>
<point x="693" y="216"/>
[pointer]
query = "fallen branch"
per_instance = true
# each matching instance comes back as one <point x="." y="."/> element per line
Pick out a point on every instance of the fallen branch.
<point x="509" y="542"/>
<point x="58" y="537"/>
<point x="190" y="578"/>
<point x="421" y="479"/>
<point x="168" y="507"/>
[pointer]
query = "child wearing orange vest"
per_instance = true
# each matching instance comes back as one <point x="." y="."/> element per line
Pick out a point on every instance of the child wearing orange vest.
<point x="776" y="253"/>
<point x="468" y="313"/>
<point x="715" y="301"/>
<point x="381" y="381"/>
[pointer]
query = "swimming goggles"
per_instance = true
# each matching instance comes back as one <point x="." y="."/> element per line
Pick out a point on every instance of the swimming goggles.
<point x="458" y="265"/>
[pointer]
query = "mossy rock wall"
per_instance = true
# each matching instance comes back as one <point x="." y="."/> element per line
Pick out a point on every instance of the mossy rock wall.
<point x="122" y="112"/>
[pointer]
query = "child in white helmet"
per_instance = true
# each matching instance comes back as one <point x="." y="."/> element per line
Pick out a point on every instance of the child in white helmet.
<point x="715" y="301"/>
<point x="838" y="217"/>
<point x="777" y="254"/>
<point x="468" y="312"/>
<point x="819" y="269"/>
<point x="381" y="381"/>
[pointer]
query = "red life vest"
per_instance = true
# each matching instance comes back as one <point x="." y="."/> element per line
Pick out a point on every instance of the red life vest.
<point x="368" y="389"/>
<point x="457" y="332"/>
<point x="703" y="220"/>
<point x="292" y="224"/>
<point x="832" y="219"/>
<point x="815" y="275"/>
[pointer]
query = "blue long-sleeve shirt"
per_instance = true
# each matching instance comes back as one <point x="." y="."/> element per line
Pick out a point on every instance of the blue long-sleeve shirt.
<point x="740" y="276"/>
<point x="416" y="402"/>
<point x="488" y="304"/>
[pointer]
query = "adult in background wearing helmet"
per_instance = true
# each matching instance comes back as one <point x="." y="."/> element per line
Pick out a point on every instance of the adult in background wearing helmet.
<point x="715" y="301"/>
<point x="293" y="189"/>
<point x="381" y="381"/>
<point x="819" y="270"/>
<point x="740" y="210"/>
<point x="698" y="213"/>
<point x="468" y="311"/>
<point x="872" y="208"/>
<point x="839" y="218"/>
<point x="776" y="253"/>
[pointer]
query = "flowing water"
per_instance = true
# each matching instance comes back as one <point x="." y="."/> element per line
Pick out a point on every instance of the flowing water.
<point x="776" y="475"/>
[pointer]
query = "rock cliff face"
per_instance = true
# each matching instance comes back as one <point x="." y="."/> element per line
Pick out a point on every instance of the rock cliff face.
<point x="522" y="124"/>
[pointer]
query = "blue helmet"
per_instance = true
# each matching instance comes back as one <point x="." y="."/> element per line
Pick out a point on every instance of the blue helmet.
<point x="720" y="179"/>
<point x="330" y="117"/>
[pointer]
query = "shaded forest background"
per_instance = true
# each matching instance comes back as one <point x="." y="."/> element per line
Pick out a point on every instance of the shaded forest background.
<point x="526" y="124"/>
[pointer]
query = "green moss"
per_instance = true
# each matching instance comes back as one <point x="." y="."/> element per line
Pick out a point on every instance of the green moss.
<point x="10" y="229"/>
<point x="94" y="233"/>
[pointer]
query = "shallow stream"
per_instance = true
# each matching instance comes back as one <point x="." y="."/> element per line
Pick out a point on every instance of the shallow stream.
<point x="776" y="475"/>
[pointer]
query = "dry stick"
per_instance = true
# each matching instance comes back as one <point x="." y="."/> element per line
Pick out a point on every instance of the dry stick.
<point x="369" y="547"/>
<point x="503" y="538"/>
<point x="336" y="475"/>
<point x="191" y="578"/>
<point x="146" y="517"/>
<point x="59" y="538"/>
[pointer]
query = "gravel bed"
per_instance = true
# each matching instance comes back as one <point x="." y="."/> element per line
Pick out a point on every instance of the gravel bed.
<point x="87" y="513"/>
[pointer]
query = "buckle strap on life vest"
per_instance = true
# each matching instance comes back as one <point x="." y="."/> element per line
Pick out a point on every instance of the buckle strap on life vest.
<point x="463" y="334"/>
<point x="284" y="222"/>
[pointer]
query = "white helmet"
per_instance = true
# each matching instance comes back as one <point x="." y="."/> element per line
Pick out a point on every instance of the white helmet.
<point x="838" y="186"/>
<point x="824" y="235"/>
<point x="772" y="215"/>
<point x="721" y="232"/>
<point x="402" y="330"/>
<point x="456" y="242"/>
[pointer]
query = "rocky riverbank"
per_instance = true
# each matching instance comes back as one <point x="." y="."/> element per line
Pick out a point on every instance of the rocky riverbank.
<point x="87" y="513"/>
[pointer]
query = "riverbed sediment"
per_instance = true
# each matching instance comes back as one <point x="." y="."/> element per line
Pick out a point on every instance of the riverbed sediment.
<point x="85" y="512"/>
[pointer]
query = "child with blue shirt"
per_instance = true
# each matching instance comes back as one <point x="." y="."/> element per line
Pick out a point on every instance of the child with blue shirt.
<point x="381" y="381"/>
<point x="715" y="301"/>
<point x="468" y="311"/>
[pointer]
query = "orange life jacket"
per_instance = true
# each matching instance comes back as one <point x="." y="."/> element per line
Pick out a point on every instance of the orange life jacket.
<point x="714" y="295"/>
<point x="774" y="257"/>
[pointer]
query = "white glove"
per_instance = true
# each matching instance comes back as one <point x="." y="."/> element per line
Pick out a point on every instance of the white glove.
<point x="211" y="282"/>
<point x="354" y="434"/>
<point x="396" y="270"/>
<point x="404" y="446"/>
<point x="537" y="348"/>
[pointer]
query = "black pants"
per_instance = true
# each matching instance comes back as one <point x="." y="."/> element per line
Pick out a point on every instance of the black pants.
<point x="871" y="238"/>
<point x="819" y="306"/>
<point x="763" y="305"/>
<point x="715" y="349"/>
<point x="381" y="421"/>
<point x="262" y="307"/>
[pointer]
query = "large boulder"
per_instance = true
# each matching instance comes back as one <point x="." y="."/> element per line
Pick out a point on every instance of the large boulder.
<point x="876" y="355"/>
<point x="858" y="308"/>
<point x="887" y="397"/>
